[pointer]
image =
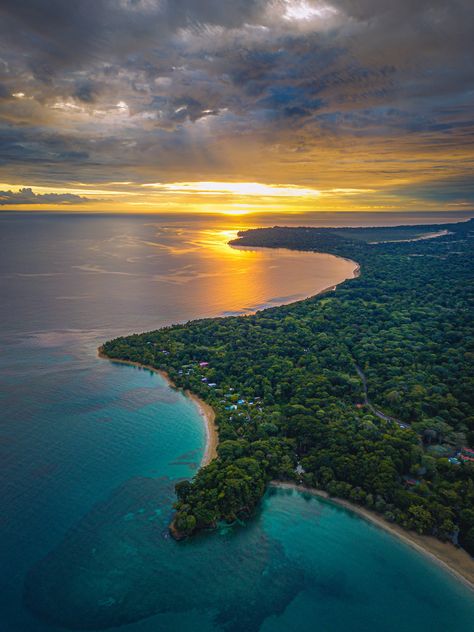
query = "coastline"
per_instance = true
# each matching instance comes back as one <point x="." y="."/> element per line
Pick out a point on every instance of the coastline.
<point x="333" y="288"/>
<point x="355" y="271"/>
<point x="453" y="560"/>
<point x="209" y="416"/>
<point x="207" y="412"/>
<point x="439" y="233"/>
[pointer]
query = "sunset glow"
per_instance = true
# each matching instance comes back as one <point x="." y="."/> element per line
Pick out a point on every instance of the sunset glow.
<point x="236" y="188"/>
<point x="280" y="105"/>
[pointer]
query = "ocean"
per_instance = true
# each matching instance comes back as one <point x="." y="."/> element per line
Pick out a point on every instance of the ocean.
<point x="90" y="450"/>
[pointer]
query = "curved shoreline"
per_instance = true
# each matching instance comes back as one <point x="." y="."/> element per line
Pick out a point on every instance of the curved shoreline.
<point x="453" y="560"/>
<point x="332" y="288"/>
<point x="212" y="435"/>
<point x="207" y="412"/>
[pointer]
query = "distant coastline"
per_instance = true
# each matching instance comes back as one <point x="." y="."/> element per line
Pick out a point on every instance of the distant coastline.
<point x="439" y="233"/>
<point x="454" y="560"/>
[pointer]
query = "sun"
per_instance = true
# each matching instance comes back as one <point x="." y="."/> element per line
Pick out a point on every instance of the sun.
<point x="236" y="211"/>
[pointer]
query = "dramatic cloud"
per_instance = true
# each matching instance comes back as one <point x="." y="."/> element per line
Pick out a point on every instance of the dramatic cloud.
<point x="372" y="95"/>
<point x="26" y="196"/>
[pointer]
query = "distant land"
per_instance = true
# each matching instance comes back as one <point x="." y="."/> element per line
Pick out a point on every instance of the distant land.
<point x="364" y="393"/>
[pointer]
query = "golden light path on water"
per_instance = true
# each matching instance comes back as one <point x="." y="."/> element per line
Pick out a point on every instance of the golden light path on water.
<point x="220" y="278"/>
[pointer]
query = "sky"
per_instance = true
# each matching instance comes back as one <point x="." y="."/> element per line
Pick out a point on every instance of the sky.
<point x="236" y="106"/>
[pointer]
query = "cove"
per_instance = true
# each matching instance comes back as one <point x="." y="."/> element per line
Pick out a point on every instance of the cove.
<point x="301" y="563"/>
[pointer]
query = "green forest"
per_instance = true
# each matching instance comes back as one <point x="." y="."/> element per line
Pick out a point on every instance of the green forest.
<point x="365" y="392"/>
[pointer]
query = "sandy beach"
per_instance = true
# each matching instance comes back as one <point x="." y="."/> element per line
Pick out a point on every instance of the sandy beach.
<point x="206" y="411"/>
<point x="212" y="436"/>
<point x="456" y="561"/>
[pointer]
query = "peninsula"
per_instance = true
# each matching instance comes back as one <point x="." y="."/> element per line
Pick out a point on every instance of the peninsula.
<point x="365" y="392"/>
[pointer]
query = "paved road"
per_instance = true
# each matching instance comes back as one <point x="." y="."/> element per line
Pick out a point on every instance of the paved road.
<point x="372" y="408"/>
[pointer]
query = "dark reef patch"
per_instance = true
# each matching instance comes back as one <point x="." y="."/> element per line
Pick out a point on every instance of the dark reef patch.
<point x="118" y="565"/>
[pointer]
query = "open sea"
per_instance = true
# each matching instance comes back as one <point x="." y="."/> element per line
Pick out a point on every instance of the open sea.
<point x="90" y="450"/>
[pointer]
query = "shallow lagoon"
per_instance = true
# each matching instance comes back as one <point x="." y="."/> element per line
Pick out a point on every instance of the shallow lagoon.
<point x="90" y="451"/>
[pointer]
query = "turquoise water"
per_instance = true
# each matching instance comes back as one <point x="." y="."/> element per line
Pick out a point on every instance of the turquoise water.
<point x="302" y="563"/>
<point x="90" y="451"/>
<point x="73" y="429"/>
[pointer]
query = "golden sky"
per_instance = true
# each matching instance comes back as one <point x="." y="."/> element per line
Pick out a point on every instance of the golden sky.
<point x="249" y="106"/>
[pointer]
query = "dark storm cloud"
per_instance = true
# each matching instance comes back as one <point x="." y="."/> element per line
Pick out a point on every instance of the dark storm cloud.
<point x="70" y="33"/>
<point x="372" y="49"/>
<point x="86" y="92"/>
<point x="134" y="85"/>
<point x="459" y="188"/>
<point x="31" y="145"/>
<point x="4" y="92"/>
<point x="26" y="196"/>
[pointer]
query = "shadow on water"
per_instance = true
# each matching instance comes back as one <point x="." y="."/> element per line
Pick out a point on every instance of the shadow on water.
<point x="119" y="565"/>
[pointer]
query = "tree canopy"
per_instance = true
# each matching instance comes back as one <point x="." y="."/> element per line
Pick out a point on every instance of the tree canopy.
<point x="287" y="385"/>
